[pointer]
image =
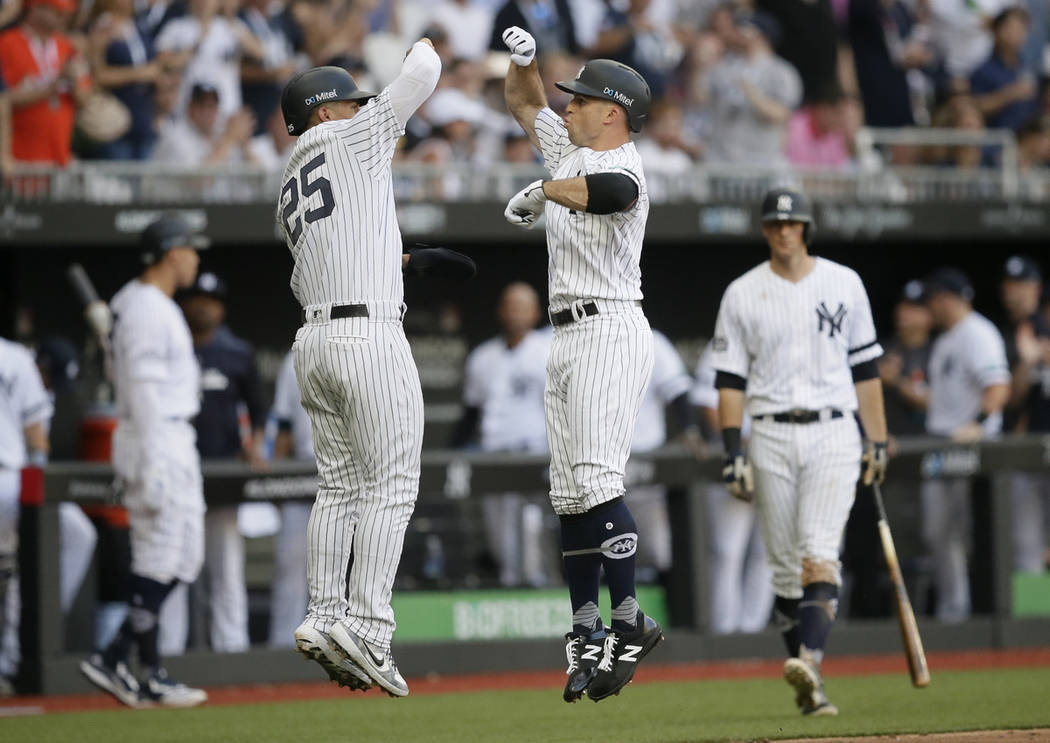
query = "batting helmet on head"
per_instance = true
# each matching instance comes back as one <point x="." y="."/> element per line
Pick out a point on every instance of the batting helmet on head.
<point x="308" y="90"/>
<point x="788" y="205"/>
<point x="604" y="78"/>
<point x="167" y="232"/>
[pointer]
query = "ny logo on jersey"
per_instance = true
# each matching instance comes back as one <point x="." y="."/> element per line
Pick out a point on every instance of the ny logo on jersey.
<point x="833" y="319"/>
<point x="784" y="203"/>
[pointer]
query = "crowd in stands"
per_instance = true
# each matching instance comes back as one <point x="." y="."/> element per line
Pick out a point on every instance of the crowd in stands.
<point x="767" y="83"/>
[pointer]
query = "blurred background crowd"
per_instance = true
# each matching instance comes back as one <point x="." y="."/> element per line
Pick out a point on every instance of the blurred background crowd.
<point x="190" y="83"/>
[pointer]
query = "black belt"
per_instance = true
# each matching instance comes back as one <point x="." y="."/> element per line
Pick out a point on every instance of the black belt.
<point x="564" y="317"/>
<point x="799" y="416"/>
<point x="339" y="311"/>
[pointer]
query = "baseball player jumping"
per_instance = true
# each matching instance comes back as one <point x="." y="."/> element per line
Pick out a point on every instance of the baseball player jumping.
<point x="602" y="353"/>
<point x="356" y="375"/>
<point x="795" y="343"/>
<point x="157" y="383"/>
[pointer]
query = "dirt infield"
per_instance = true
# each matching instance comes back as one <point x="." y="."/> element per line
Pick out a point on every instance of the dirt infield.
<point x="979" y="736"/>
<point x="857" y="665"/>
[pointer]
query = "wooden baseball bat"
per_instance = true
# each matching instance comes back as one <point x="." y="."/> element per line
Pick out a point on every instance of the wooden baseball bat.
<point x="920" y="672"/>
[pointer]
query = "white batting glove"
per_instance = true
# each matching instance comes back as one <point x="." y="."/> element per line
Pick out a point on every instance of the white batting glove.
<point x="526" y="206"/>
<point x="739" y="477"/>
<point x="874" y="462"/>
<point x="521" y="44"/>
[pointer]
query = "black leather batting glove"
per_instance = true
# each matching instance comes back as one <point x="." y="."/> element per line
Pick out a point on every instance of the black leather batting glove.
<point x="875" y="461"/>
<point x="739" y="477"/>
<point x="439" y="263"/>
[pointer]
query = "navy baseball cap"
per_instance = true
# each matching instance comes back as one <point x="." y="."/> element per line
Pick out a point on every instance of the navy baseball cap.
<point x="209" y="285"/>
<point x="913" y="292"/>
<point x="1022" y="268"/>
<point x="58" y="358"/>
<point x="950" y="280"/>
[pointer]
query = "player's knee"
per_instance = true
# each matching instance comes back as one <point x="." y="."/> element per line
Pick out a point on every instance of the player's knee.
<point x="815" y="570"/>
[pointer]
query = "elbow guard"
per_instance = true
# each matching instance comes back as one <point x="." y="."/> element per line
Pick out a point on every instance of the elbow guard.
<point x="865" y="370"/>
<point x="610" y="192"/>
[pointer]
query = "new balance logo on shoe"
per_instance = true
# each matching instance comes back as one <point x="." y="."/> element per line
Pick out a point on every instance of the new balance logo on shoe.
<point x="591" y="652"/>
<point x="629" y="653"/>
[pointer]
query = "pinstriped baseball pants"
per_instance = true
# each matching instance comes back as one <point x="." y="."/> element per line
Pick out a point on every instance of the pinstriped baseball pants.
<point x="359" y="385"/>
<point x="805" y="481"/>
<point x="597" y="375"/>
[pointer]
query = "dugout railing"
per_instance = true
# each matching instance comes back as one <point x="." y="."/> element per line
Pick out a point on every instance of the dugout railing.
<point x="48" y="667"/>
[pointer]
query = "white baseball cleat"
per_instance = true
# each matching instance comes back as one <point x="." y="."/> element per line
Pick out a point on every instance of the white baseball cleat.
<point x="378" y="663"/>
<point x="317" y="646"/>
<point x="809" y="688"/>
<point x="161" y="691"/>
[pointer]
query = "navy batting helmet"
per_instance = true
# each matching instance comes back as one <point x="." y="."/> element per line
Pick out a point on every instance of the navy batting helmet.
<point x="788" y="205"/>
<point x="167" y="232"/>
<point x="308" y="90"/>
<point x="604" y="78"/>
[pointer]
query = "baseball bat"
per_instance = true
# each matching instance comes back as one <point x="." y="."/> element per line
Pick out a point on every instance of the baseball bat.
<point x="920" y="672"/>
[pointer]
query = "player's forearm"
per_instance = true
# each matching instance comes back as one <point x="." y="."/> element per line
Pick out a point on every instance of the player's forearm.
<point x="994" y="399"/>
<point x="523" y="91"/>
<point x="36" y="441"/>
<point x="872" y="410"/>
<point x="597" y="193"/>
<point x="569" y="192"/>
<point x="730" y="408"/>
<point x="416" y="81"/>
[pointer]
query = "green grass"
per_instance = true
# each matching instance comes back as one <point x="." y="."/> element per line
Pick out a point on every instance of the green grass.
<point x="644" y="713"/>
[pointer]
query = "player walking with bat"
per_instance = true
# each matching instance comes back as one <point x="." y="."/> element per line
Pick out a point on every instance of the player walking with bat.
<point x="795" y="344"/>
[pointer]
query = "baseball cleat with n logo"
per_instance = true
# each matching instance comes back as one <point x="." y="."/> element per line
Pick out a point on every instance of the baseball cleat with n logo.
<point x="622" y="653"/>
<point x="583" y="652"/>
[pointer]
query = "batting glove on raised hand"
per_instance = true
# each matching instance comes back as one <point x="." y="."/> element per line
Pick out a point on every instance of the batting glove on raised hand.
<point x="526" y="206"/>
<point x="521" y="44"/>
<point x="739" y="477"/>
<point x="875" y="461"/>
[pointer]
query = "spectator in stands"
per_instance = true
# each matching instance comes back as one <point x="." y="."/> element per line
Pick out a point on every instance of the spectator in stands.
<point x="208" y="46"/>
<point x="1003" y="88"/>
<point x="816" y="133"/>
<point x="753" y="93"/>
<point x="123" y="60"/>
<point x="469" y="26"/>
<point x="665" y="150"/>
<point x="808" y="40"/>
<point x="958" y="112"/>
<point x="9" y="10"/>
<point x="503" y="399"/>
<point x="1033" y="157"/>
<point x="202" y="137"/>
<point x="902" y="367"/>
<point x="46" y="80"/>
<point x="518" y="149"/>
<point x="273" y="148"/>
<point x="630" y="36"/>
<point x="550" y="22"/>
<point x="960" y="35"/>
<point x="263" y="79"/>
<point x="886" y="50"/>
<point x="554" y="67"/>
<point x="1019" y="292"/>
<point x="969" y="386"/>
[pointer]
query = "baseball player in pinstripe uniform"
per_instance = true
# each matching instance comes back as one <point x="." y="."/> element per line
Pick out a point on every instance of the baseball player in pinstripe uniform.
<point x="795" y="344"/>
<point x="602" y="353"/>
<point x="157" y="383"/>
<point x="25" y="409"/>
<point x="356" y="375"/>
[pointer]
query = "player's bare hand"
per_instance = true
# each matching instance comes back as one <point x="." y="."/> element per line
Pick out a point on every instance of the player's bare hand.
<point x="875" y="461"/>
<point x="526" y="206"/>
<point x="739" y="477"/>
<point x="968" y="433"/>
<point x="521" y="44"/>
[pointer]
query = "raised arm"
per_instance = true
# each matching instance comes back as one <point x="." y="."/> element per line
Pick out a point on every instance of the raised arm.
<point x="523" y="89"/>
<point x="416" y="81"/>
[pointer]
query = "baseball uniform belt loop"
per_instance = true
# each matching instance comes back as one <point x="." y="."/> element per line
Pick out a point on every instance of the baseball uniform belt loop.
<point x="803" y="416"/>
<point x="574" y="312"/>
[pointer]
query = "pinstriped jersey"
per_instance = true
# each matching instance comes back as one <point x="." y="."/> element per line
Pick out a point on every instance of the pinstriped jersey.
<point x="23" y="401"/>
<point x="795" y="342"/>
<point x="669" y="380"/>
<point x="336" y="209"/>
<point x="592" y="256"/>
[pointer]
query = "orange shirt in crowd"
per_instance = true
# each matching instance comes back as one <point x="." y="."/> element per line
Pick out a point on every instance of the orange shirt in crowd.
<point x="41" y="131"/>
